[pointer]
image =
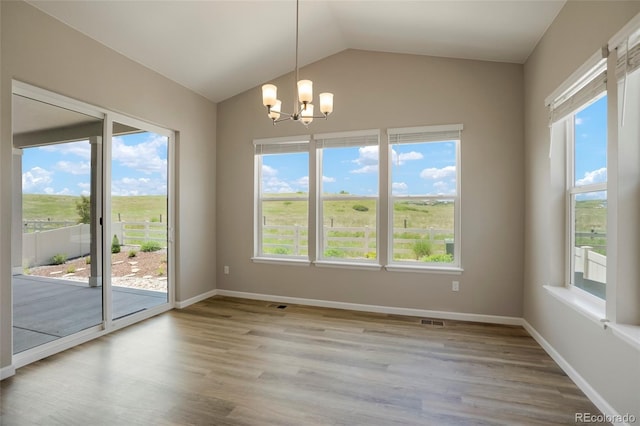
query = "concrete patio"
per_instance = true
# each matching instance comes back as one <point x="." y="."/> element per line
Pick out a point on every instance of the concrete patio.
<point x="46" y="309"/>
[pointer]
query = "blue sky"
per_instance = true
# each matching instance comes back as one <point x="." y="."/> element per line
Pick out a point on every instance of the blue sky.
<point x="139" y="167"/>
<point x="591" y="143"/>
<point x="591" y="147"/>
<point x="417" y="169"/>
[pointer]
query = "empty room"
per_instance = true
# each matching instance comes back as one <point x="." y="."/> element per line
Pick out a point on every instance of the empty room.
<point x="309" y="212"/>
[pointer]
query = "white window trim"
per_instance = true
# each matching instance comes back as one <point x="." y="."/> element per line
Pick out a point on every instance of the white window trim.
<point x="258" y="255"/>
<point x="456" y="266"/>
<point x="573" y="190"/>
<point x="320" y="260"/>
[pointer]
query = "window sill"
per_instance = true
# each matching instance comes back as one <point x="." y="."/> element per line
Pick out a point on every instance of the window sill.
<point x="589" y="306"/>
<point x="628" y="333"/>
<point x="451" y="270"/>
<point x="348" y="265"/>
<point x="281" y="261"/>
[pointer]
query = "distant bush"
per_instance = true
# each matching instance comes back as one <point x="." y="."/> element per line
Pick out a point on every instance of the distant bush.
<point x="115" y="245"/>
<point x="422" y="248"/>
<point x="333" y="252"/>
<point x="439" y="258"/>
<point x="155" y="220"/>
<point x="83" y="207"/>
<point x="132" y="253"/>
<point x="360" y="208"/>
<point x="371" y="255"/>
<point x="281" y="250"/>
<point x="87" y="260"/>
<point x="71" y="269"/>
<point x="58" y="259"/>
<point x="149" y="246"/>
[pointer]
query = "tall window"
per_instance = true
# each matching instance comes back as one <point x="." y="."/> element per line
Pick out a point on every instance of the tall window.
<point x="588" y="197"/>
<point x="282" y="207"/>
<point x="424" y="202"/>
<point x="348" y="196"/>
<point x="579" y="115"/>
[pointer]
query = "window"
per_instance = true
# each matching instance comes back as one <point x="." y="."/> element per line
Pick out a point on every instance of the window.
<point x="348" y="196"/>
<point x="282" y="191"/>
<point x="579" y="115"/>
<point x="587" y="195"/>
<point x="424" y="202"/>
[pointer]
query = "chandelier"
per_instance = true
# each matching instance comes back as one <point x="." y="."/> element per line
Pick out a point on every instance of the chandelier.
<point x="303" y="108"/>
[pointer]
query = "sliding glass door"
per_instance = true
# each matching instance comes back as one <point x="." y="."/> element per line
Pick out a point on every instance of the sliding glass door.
<point x="92" y="221"/>
<point x="57" y="281"/>
<point x="139" y="219"/>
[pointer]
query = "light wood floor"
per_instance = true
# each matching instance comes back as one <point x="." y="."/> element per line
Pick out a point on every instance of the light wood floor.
<point x="230" y="361"/>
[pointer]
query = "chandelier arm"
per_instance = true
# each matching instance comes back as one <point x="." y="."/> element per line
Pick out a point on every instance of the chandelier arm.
<point x="295" y="83"/>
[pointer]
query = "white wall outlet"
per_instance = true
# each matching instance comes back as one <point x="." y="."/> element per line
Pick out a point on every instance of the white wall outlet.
<point x="455" y="285"/>
<point x="226" y="269"/>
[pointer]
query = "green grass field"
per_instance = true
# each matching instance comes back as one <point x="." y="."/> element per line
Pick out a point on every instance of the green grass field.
<point x="63" y="208"/>
<point x="415" y="216"/>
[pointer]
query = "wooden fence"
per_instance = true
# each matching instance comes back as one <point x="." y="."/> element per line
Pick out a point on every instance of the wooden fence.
<point x="355" y="241"/>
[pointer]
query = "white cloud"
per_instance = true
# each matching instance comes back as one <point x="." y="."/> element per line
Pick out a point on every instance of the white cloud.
<point x="268" y="170"/>
<point x="596" y="176"/>
<point x="399" y="187"/>
<point x="128" y="186"/>
<point x="36" y="178"/>
<point x="579" y="121"/>
<point x="433" y="173"/>
<point x="143" y="157"/>
<point x="445" y="188"/>
<point x="400" y="159"/>
<point x="327" y="179"/>
<point x="372" y="168"/>
<point x="276" y="185"/>
<point x="81" y="149"/>
<point x="85" y="188"/>
<point x="368" y="159"/>
<point x="79" y="168"/>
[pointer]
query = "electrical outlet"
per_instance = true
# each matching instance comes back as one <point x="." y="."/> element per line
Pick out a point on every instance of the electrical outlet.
<point x="226" y="270"/>
<point x="455" y="286"/>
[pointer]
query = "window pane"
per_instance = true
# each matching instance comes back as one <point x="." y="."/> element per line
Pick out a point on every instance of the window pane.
<point x="590" y="127"/>
<point x="423" y="231"/>
<point x="284" y="204"/>
<point x="285" y="175"/>
<point x="351" y="170"/>
<point x="423" y="168"/>
<point x="284" y="227"/>
<point x="349" y="229"/>
<point x="590" y="242"/>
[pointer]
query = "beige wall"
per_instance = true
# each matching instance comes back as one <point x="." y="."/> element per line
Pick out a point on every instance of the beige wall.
<point x="42" y="51"/>
<point x="609" y="365"/>
<point x="380" y="90"/>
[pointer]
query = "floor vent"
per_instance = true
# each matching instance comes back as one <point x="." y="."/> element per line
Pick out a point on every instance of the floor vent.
<point x="275" y="305"/>
<point x="432" y="322"/>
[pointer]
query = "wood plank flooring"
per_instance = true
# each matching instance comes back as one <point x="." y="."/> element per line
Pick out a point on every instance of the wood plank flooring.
<point x="228" y="361"/>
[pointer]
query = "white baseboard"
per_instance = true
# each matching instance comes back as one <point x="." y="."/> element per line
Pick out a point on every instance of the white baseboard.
<point x="584" y="386"/>
<point x="493" y="319"/>
<point x="7" y="372"/>
<point x="181" y="304"/>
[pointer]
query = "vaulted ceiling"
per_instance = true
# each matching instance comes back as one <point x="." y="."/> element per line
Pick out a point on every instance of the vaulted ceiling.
<point x="222" y="48"/>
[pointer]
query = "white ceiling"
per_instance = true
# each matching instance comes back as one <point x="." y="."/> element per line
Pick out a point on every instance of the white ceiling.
<point x="222" y="48"/>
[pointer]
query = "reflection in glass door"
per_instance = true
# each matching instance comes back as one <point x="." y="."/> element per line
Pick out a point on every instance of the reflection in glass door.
<point x="57" y="274"/>
<point x="139" y="220"/>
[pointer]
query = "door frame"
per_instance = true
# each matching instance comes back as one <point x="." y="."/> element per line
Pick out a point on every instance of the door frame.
<point x="103" y="180"/>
